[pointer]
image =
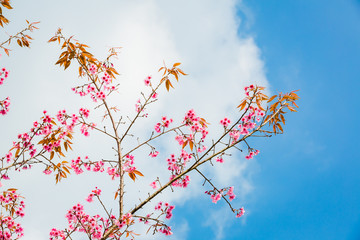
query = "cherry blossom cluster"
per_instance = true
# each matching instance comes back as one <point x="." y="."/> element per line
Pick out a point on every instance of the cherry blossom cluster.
<point x="113" y="172"/>
<point x="176" y="166"/>
<point x="84" y="112"/>
<point x="154" y="95"/>
<point x="145" y="219"/>
<point x="165" y="230"/>
<point x="225" y="122"/>
<point x="96" y="92"/>
<point x="25" y="143"/>
<point x="252" y="153"/>
<point x="248" y="123"/>
<point x="153" y="185"/>
<point x="126" y="219"/>
<point x="240" y="212"/>
<point x="255" y="114"/>
<point x="147" y="81"/>
<point x="53" y="136"/>
<point x="138" y="106"/>
<point x="166" y="209"/>
<point x="84" y="129"/>
<point x="220" y="159"/>
<point x="10" y="201"/>
<point x="44" y="128"/>
<point x="63" y="118"/>
<point x="93" y="226"/>
<point x="47" y="127"/>
<point x="216" y="195"/>
<point x="248" y="89"/>
<point x="79" y="221"/>
<point x="57" y="234"/>
<point x="158" y="225"/>
<point x="230" y="193"/>
<point x="4" y="106"/>
<point x="93" y="69"/>
<point x="9" y="229"/>
<point x="4" y="74"/>
<point x="95" y="192"/>
<point x="196" y="124"/>
<point x="161" y="126"/>
<point x="181" y="182"/>
<point x="154" y="153"/>
<point x="84" y="89"/>
<point x="77" y="165"/>
<point x="128" y="165"/>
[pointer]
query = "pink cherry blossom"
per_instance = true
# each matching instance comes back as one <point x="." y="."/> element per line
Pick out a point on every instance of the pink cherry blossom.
<point x="147" y="81"/>
<point x="153" y="185"/>
<point x="154" y="154"/>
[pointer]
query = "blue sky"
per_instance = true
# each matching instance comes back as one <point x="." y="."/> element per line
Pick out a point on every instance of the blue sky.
<point x="308" y="185"/>
<point x="303" y="185"/>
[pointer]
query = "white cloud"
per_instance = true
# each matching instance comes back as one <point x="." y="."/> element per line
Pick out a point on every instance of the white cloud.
<point x="200" y="34"/>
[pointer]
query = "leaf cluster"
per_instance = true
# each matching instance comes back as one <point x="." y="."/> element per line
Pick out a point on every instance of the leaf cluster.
<point x="275" y="117"/>
<point x="286" y="100"/>
<point x="52" y="138"/>
<point x="10" y="206"/>
<point x="73" y="50"/>
<point x="175" y="71"/>
<point x="3" y="19"/>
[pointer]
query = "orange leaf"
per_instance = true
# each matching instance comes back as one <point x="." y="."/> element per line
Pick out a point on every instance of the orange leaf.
<point x="176" y="76"/>
<point x="132" y="176"/>
<point x="259" y="104"/>
<point x="176" y="64"/>
<point x="272" y="98"/>
<point x="70" y="145"/>
<point x="242" y="104"/>
<point x="191" y="144"/>
<point x="116" y="194"/>
<point x="6" y="4"/>
<point x="66" y="169"/>
<point x="17" y="152"/>
<point x="180" y="71"/>
<point x="138" y="173"/>
<point x="184" y="144"/>
<point x="282" y="119"/>
<point x="170" y="83"/>
<point x="67" y="64"/>
<point x="292" y="109"/>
